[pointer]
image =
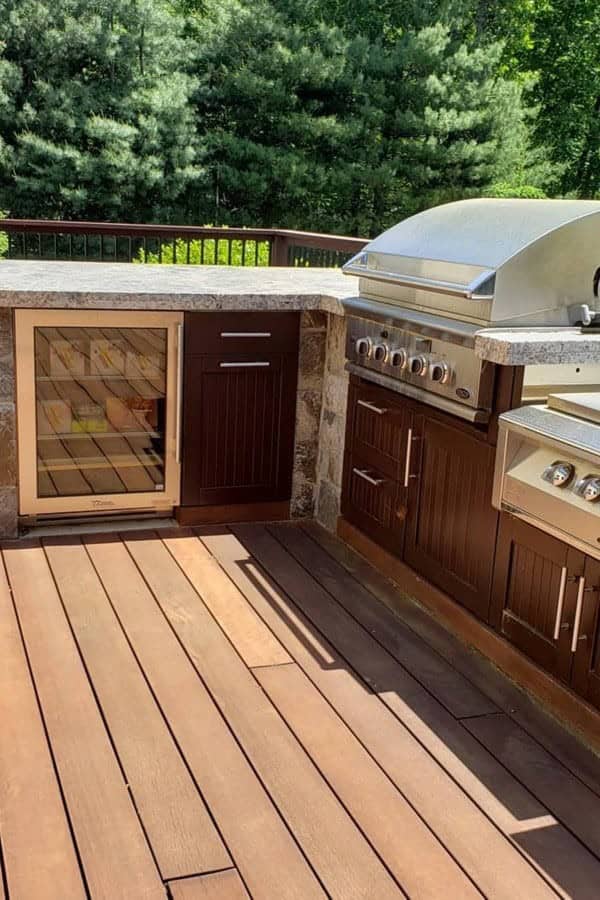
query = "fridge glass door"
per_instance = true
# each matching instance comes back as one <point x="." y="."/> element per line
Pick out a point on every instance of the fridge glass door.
<point x="102" y="400"/>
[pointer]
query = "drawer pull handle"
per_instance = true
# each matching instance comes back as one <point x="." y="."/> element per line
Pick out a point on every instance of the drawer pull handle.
<point x="578" y="611"/>
<point x="243" y="365"/>
<point x="245" y="334"/>
<point x="179" y="401"/>
<point x="362" y="473"/>
<point x="561" y="602"/>
<point x="372" y="408"/>
<point x="407" y="475"/>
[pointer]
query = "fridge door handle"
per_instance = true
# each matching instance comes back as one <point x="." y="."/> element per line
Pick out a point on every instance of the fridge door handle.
<point x="179" y="398"/>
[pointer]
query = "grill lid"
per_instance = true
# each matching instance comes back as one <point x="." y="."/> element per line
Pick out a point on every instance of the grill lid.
<point x="489" y="260"/>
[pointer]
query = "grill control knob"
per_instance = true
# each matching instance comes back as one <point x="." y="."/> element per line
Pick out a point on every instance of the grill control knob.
<point x="380" y="352"/>
<point x="440" y="372"/>
<point x="589" y="488"/>
<point x="364" y="346"/>
<point x="418" y="365"/>
<point x="559" y="474"/>
<point x="398" y="359"/>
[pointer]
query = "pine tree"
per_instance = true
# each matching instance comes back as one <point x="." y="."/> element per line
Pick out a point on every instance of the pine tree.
<point x="94" y="110"/>
<point x="309" y="127"/>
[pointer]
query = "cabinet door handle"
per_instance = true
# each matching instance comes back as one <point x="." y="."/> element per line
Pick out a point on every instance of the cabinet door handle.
<point x="561" y="602"/>
<point x="380" y="411"/>
<point x="409" y="440"/>
<point x="245" y="334"/>
<point x="578" y="611"/>
<point x="243" y="365"/>
<point x="376" y="482"/>
<point x="179" y="400"/>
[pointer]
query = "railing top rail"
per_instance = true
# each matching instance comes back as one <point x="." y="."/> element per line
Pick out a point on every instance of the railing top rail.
<point x="305" y="238"/>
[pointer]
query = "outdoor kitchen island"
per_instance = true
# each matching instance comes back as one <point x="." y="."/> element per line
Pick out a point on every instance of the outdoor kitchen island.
<point x="254" y="722"/>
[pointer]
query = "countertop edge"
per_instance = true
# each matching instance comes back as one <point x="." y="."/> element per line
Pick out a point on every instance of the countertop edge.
<point x="538" y="347"/>
<point x="176" y="301"/>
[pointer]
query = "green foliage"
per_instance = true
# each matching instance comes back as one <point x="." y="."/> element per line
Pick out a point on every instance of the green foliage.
<point x="350" y="134"/>
<point x="520" y="191"/>
<point x="95" y="115"/>
<point x="566" y="58"/>
<point x="246" y="253"/>
<point x="334" y="115"/>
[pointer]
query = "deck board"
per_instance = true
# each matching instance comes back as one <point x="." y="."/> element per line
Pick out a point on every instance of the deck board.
<point x="218" y="886"/>
<point x="178" y="825"/>
<point x="224" y="713"/>
<point x="454" y="816"/>
<point x="251" y="826"/>
<point x="457" y="694"/>
<point x="341" y="856"/>
<point x="399" y="836"/>
<point x="252" y="639"/>
<point x="505" y="694"/>
<point x="116" y="858"/>
<point x="38" y="852"/>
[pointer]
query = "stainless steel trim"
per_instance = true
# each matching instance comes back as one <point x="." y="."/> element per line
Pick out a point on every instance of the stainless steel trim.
<point x="179" y="398"/>
<point x="428" y="324"/>
<point x="243" y="365"/>
<point x="451" y="288"/>
<point x="561" y="602"/>
<point x="408" y="455"/>
<point x="578" y="611"/>
<point x="376" y="482"/>
<point x="380" y="411"/>
<point x="245" y="334"/>
<point x="408" y="390"/>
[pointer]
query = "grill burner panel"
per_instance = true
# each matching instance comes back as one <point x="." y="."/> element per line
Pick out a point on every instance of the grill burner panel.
<point x="435" y="367"/>
<point x="548" y="468"/>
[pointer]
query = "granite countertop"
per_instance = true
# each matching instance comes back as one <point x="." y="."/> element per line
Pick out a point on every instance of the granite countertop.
<point x="537" y="346"/>
<point x="86" y="285"/>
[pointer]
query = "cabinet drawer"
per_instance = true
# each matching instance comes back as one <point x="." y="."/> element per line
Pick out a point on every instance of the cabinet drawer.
<point x="379" y="424"/>
<point x="241" y="332"/>
<point x="370" y="501"/>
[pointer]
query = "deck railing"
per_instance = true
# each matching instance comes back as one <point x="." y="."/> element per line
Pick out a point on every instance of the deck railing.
<point x="183" y="244"/>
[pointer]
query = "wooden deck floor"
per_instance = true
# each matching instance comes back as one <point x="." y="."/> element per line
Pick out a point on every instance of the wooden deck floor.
<point x="221" y="713"/>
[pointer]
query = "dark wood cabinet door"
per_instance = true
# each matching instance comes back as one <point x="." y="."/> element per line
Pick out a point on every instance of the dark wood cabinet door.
<point x="379" y="425"/>
<point x="586" y="659"/>
<point x="451" y="524"/>
<point x="373" y="495"/>
<point x="536" y="583"/>
<point x="371" y="502"/>
<point x="238" y="428"/>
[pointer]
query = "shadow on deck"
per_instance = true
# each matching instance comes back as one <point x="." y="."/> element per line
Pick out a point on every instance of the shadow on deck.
<point x="217" y="713"/>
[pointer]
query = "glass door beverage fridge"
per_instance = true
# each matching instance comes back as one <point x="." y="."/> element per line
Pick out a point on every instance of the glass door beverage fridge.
<point x="98" y="411"/>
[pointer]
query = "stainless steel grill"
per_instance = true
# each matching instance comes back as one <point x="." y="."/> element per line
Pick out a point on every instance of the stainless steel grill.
<point x="427" y="285"/>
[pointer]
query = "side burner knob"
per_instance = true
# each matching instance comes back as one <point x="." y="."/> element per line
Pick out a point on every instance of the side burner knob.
<point x="364" y="346"/>
<point x="589" y="488"/>
<point x="418" y="365"/>
<point x="559" y="474"/>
